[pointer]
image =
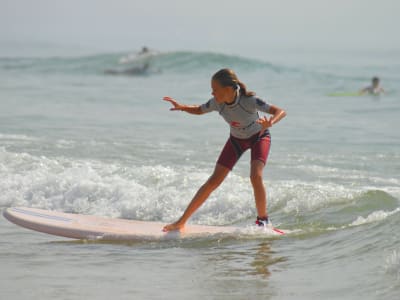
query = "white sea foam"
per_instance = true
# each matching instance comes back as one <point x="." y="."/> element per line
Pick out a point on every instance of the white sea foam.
<point x="376" y="216"/>
<point x="302" y="196"/>
<point x="392" y="263"/>
<point x="17" y="137"/>
<point x="152" y="192"/>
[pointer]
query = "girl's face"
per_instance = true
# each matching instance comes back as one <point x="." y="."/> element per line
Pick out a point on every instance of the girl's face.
<point x="222" y="93"/>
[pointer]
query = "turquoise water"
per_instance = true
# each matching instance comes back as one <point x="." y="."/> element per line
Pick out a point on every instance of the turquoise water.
<point x="76" y="140"/>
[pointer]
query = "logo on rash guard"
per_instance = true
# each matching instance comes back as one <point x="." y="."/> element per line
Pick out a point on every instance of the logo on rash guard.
<point x="235" y="124"/>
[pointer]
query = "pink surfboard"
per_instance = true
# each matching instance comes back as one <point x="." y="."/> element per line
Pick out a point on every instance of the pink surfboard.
<point x="79" y="226"/>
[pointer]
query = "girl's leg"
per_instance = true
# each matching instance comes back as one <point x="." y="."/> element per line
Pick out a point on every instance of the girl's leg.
<point x="218" y="176"/>
<point x="260" y="195"/>
<point x="259" y="156"/>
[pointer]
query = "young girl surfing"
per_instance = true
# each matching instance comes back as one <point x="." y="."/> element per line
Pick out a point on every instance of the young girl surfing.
<point x="239" y="108"/>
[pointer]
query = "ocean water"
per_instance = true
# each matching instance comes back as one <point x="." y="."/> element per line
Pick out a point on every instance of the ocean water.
<point x="74" y="139"/>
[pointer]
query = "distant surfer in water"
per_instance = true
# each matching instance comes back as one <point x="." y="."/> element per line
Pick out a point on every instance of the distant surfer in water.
<point x="144" y="50"/>
<point x="374" y="88"/>
<point x="143" y="56"/>
<point x="239" y="107"/>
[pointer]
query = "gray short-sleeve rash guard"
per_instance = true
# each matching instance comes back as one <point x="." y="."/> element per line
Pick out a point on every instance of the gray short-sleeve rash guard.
<point x="241" y="115"/>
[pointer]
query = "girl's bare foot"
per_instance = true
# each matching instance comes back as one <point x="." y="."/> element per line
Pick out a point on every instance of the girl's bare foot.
<point x="173" y="226"/>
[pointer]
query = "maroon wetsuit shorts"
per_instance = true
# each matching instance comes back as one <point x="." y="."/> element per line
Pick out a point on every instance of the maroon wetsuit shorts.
<point x="234" y="148"/>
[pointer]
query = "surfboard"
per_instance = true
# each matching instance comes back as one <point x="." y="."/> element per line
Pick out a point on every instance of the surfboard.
<point x="133" y="57"/>
<point x="79" y="226"/>
<point x="345" y="94"/>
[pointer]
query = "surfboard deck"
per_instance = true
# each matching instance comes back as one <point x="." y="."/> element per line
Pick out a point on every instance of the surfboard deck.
<point x="78" y="226"/>
<point x="345" y="94"/>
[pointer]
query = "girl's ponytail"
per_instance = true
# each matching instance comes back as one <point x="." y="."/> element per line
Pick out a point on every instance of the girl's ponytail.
<point x="244" y="91"/>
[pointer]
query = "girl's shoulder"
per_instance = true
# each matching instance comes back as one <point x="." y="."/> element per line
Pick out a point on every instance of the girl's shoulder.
<point x="211" y="105"/>
<point x="251" y="100"/>
<point x="254" y="103"/>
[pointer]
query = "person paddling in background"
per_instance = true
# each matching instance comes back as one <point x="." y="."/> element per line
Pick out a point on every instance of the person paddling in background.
<point x="239" y="108"/>
<point x="374" y="88"/>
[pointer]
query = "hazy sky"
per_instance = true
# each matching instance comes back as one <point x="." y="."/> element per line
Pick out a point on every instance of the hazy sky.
<point x="218" y="25"/>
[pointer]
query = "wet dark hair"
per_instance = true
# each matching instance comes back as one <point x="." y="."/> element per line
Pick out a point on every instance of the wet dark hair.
<point x="375" y="79"/>
<point x="227" y="77"/>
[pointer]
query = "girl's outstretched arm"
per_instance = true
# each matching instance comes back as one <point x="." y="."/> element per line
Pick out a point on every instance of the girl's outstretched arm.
<point x="191" y="109"/>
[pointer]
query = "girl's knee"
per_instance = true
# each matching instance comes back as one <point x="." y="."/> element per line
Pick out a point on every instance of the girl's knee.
<point x="214" y="181"/>
<point x="256" y="178"/>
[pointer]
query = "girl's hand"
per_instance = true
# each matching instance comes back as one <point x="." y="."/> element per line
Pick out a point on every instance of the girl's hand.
<point x="176" y="105"/>
<point x="191" y="109"/>
<point x="265" y="122"/>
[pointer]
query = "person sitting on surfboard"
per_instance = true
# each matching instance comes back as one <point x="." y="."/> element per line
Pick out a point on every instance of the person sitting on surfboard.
<point x="144" y="50"/>
<point x="374" y="88"/>
<point x="239" y="107"/>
